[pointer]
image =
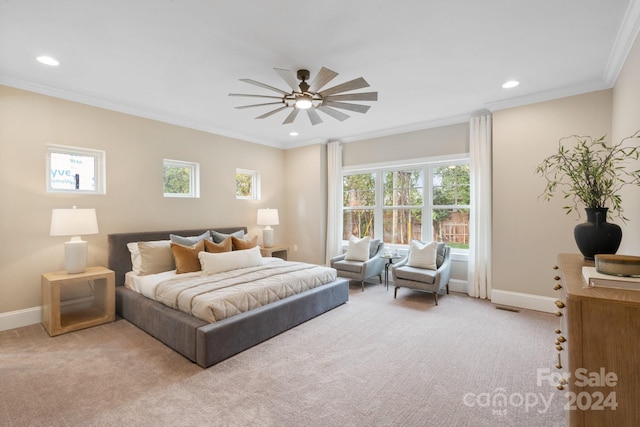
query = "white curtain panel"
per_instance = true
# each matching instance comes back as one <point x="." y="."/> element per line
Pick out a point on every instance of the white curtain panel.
<point x="481" y="201"/>
<point x="334" y="200"/>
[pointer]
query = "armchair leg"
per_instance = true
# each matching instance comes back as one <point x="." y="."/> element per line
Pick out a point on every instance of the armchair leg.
<point x="380" y="277"/>
<point x="435" y="295"/>
<point x="363" y="286"/>
<point x="395" y="292"/>
<point x="447" y="289"/>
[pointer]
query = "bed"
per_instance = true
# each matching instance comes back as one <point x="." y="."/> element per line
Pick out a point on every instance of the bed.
<point x="198" y="340"/>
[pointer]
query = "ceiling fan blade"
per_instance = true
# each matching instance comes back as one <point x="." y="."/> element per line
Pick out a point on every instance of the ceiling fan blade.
<point x="291" y="117"/>
<point x="255" y="96"/>
<point x="257" y="105"/>
<point x="323" y="77"/>
<point x="313" y="116"/>
<point x="275" y="89"/>
<point x="354" y="84"/>
<point x="287" y="76"/>
<point x="359" y="108"/>
<point x="338" y="115"/>
<point x="270" y="113"/>
<point x="364" y="96"/>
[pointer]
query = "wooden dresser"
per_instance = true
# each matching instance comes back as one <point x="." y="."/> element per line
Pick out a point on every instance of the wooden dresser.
<point x="598" y="345"/>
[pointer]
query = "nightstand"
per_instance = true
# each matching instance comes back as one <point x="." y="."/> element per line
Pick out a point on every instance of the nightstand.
<point x="98" y="309"/>
<point x="275" y="251"/>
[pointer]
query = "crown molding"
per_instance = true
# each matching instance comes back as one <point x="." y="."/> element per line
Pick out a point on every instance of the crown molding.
<point x="546" y="96"/>
<point x="624" y="42"/>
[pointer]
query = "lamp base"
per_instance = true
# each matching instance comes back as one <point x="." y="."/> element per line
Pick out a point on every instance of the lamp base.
<point x="267" y="237"/>
<point x="75" y="256"/>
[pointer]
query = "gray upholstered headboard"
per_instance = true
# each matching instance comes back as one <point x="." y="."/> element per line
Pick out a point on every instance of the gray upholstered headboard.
<point x="120" y="257"/>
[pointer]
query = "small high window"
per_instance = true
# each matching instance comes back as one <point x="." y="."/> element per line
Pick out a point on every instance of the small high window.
<point x="181" y="179"/>
<point x="75" y="170"/>
<point x="247" y="184"/>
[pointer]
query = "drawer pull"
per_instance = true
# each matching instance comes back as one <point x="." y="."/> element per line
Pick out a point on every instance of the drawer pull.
<point x="560" y="386"/>
<point x="559" y="347"/>
<point x="558" y="313"/>
<point x="556" y="277"/>
<point x="559" y="304"/>
<point x="558" y="331"/>
<point x="557" y="287"/>
<point x="562" y="339"/>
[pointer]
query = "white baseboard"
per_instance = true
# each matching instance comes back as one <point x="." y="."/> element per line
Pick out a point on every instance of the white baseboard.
<point x="20" y="318"/>
<point x="528" y="301"/>
<point x="458" y="286"/>
<point x="32" y="316"/>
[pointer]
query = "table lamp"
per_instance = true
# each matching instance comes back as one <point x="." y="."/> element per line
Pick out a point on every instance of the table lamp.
<point x="268" y="217"/>
<point x="74" y="222"/>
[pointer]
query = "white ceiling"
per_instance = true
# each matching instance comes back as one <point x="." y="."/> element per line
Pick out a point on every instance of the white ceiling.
<point x="432" y="62"/>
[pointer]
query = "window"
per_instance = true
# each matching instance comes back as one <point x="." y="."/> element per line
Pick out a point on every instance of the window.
<point x="181" y="179"/>
<point x="393" y="203"/>
<point x="75" y="170"/>
<point x="359" y="201"/>
<point x="247" y="184"/>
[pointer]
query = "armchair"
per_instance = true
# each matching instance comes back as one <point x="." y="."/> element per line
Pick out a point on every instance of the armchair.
<point x="361" y="270"/>
<point x="422" y="279"/>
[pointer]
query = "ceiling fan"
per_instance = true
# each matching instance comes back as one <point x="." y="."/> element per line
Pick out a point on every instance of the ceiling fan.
<point x="311" y="97"/>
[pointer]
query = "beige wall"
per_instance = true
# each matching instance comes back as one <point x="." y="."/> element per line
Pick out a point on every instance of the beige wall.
<point x="134" y="149"/>
<point x="306" y="204"/>
<point x="528" y="232"/>
<point x="440" y="141"/>
<point x="626" y="121"/>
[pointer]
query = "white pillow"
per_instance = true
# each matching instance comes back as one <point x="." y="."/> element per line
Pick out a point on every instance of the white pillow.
<point x="224" y="261"/>
<point x="358" y="249"/>
<point x="423" y="255"/>
<point x="135" y="256"/>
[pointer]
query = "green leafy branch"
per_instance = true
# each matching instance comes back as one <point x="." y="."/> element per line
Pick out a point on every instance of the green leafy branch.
<point x="590" y="173"/>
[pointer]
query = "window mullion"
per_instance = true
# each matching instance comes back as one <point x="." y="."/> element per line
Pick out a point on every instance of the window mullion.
<point x="378" y="213"/>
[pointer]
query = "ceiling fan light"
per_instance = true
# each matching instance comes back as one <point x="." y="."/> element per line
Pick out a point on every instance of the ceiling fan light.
<point x="304" y="102"/>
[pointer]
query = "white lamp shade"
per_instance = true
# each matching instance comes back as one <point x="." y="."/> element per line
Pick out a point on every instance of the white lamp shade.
<point x="268" y="217"/>
<point x="73" y="222"/>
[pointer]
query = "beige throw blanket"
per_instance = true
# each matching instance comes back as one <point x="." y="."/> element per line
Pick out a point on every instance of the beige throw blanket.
<point x="221" y="295"/>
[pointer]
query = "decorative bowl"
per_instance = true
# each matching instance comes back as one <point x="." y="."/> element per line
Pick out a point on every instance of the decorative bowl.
<point x="618" y="265"/>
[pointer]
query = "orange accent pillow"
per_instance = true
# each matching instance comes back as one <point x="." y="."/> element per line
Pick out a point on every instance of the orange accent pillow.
<point x="240" y="244"/>
<point x="186" y="257"/>
<point x="216" y="248"/>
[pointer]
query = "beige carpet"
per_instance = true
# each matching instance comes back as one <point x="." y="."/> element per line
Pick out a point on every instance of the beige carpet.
<point x="374" y="361"/>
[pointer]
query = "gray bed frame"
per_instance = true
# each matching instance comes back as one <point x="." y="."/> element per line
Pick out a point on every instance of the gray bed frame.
<point x="209" y="343"/>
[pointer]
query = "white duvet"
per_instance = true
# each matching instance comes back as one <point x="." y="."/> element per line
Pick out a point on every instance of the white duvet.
<point x="221" y="295"/>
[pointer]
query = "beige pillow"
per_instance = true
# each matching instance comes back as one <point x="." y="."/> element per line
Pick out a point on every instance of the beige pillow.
<point x="225" y="246"/>
<point x="155" y="257"/>
<point x="186" y="257"/>
<point x="240" y="244"/>
<point x="358" y="249"/>
<point x="423" y="255"/>
<point x="225" y="261"/>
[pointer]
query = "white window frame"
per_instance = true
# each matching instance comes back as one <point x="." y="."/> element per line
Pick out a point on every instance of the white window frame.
<point x="194" y="178"/>
<point x="426" y="164"/>
<point x="255" y="184"/>
<point x="99" y="168"/>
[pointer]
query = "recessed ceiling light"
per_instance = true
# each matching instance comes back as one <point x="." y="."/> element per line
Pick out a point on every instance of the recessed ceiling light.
<point x="510" y="84"/>
<point x="293" y="133"/>
<point x="47" y="60"/>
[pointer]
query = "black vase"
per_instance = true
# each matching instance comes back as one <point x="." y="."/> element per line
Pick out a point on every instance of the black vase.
<point x="597" y="236"/>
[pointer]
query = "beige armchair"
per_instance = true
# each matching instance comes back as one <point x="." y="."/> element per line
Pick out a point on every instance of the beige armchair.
<point x="422" y="279"/>
<point x="361" y="270"/>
